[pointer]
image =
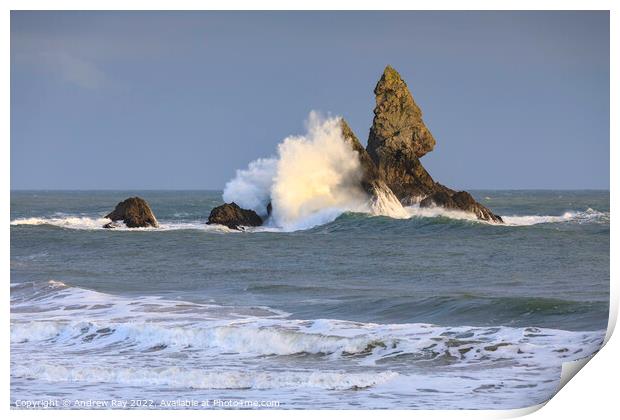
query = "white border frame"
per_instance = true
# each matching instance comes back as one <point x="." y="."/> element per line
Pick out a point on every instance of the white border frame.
<point x="593" y="393"/>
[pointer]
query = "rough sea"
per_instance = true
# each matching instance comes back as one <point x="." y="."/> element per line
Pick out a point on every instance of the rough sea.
<point x="434" y="311"/>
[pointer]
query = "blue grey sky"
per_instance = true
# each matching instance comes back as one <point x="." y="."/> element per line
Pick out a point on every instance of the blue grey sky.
<point x="180" y="100"/>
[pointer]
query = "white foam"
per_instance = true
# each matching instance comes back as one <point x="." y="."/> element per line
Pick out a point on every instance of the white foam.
<point x="317" y="218"/>
<point x="587" y="216"/>
<point x="385" y="203"/>
<point x="60" y="305"/>
<point x="432" y="212"/>
<point x="97" y="223"/>
<point x="55" y="283"/>
<point x="256" y="337"/>
<point x="316" y="171"/>
<point x="203" y="378"/>
<point x="36" y="331"/>
<point x="71" y="222"/>
<point x="314" y="178"/>
<point x="61" y="334"/>
<point x="250" y="188"/>
<point x="244" y="338"/>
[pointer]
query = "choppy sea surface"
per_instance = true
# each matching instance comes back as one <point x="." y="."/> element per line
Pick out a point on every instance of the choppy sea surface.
<point x="357" y="311"/>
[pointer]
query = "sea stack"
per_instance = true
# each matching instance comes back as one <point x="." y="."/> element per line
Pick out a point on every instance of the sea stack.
<point x="234" y="217"/>
<point x="398" y="138"/>
<point x="134" y="212"/>
<point x="392" y="174"/>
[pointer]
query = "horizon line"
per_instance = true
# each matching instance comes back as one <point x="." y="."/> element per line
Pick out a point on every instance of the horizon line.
<point x="220" y="190"/>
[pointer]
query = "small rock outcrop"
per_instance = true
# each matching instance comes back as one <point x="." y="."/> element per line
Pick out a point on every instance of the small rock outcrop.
<point x="398" y="139"/>
<point x="134" y="212"/>
<point x="233" y="216"/>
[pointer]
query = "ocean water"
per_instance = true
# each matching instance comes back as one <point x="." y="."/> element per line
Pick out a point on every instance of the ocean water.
<point x="345" y="310"/>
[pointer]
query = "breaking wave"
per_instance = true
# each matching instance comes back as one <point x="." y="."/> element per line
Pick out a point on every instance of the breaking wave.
<point x="322" y="217"/>
<point x="314" y="178"/>
<point x="71" y="222"/>
<point x="97" y="223"/>
<point x="369" y="343"/>
<point x="150" y="341"/>
<point x="587" y="216"/>
<point x="153" y="324"/>
<point x="580" y="217"/>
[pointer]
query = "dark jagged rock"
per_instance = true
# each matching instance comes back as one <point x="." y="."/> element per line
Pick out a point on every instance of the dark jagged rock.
<point x="398" y="138"/>
<point x="370" y="174"/>
<point x="233" y="216"/>
<point x="466" y="202"/>
<point x="372" y="182"/>
<point x="397" y="125"/>
<point x="461" y="200"/>
<point x="439" y="199"/>
<point x="134" y="212"/>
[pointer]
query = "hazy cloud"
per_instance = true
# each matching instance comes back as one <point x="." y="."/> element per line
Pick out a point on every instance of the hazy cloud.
<point x="73" y="69"/>
<point x="59" y="57"/>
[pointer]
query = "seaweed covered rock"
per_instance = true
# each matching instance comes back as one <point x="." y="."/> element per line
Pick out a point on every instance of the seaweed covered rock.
<point x="134" y="212"/>
<point x="233" y="216"/>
